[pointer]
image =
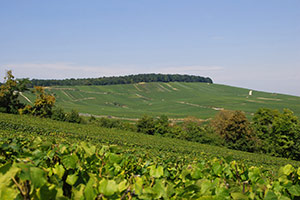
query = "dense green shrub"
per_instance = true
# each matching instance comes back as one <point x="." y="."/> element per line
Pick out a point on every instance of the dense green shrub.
<point x="278" y="133"/>
<point x="235" y="130"/>
<point x="161" y="125"/>
<point x="146" y="125"/>
<point x="58" y="114"/>
<point x="74" y="117"/>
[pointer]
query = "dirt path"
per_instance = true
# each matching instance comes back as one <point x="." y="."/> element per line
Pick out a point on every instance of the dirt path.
<point x="25" y="97"/>
<point x="196" y="105"/>
<point x="136" y="87"/>
<point x="170" y="86"/>
<point x="162" y="87"/>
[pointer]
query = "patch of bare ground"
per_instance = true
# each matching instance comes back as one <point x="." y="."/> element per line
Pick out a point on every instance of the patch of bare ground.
<point x="170" y="86"/>
<point x="143" y="97"/>
<point x="200" y="106"/>
<point x="269" y="99"/>
<point x="87" y="98"/>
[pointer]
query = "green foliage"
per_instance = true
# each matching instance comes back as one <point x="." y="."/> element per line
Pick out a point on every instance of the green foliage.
<point x="58" y="114"/>
<point x="146" y="125"/>
<point x="234" y="128"/>
<point x="162" y="125"/>
<point x="278" y="132"/>
<point x="16" y="126"/>
<point x="109" y="123"/>
<point x="124" y="80"/>
<point x="60" y="170"/>
<point x="9" y="93"/>
<point x="42" y="106"/>
<point x="73" y="117"/>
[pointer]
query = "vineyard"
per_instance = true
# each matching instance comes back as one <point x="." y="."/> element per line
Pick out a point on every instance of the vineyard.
<point x="175" y="99"/>
<point x="45" y="159"/>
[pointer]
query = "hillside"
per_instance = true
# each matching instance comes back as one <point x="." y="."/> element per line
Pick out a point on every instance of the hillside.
<point x="46" y="159"/>
<point x="174" y="99"/>
<point x="47" y="129"/>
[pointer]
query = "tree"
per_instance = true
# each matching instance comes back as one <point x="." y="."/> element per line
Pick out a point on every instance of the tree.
<point x="9" y="93"/>
<point x="146" y="125"/>
<point x="58" y="114"/>
<point x="234" y="128"/>
<point x="161" y="125"/>
<point x="192" y="129"/>
<point x="278" y="132"/>
<point x="42" y="106"/>
<point x="74" y="117"/>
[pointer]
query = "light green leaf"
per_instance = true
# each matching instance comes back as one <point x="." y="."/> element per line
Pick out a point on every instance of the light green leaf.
<point x="138" y="185"/>
<point x="8" y="193"/>
<point x="159" y="189"/>
<point x="71" y="179"/>
<point x="284" y="198"/>
<point x="294" y="190"/>
<point x="10" y="171"/>
<point x="89" y="191"/>
<point x="78" y="192"/>
<point x="89" y="149"/>
<point x="205" y="186"/>
<point x="108" y="187"/>
<point x="287" y="169"/>
<point x="122" y="185"/>
<point x="37" y="177"/>
<point x="156" y="172"/>
<point x="270" y="196"/>
<point x="59" y="170"/>
<point x="238" y="196"/>
<point x="254" y="174"/>
<point x="37" y="141"/>
<point x="217" y="168"/>
<point x="70" y="161"/>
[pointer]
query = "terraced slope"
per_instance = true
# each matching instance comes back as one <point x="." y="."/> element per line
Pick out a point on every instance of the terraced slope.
<point x="175" y="99"/>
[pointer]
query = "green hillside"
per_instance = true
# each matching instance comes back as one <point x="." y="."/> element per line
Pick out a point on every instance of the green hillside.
<point x="46" y="159"/>
<point x="174" y="99"/>
<point x="13" y="126"/>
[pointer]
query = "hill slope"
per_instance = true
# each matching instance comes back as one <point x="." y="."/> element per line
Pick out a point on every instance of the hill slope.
<point x="174" y="99"/>
<point x="156" y="146"/>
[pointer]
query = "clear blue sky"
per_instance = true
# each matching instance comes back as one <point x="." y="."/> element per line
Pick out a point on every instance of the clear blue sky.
<point x="247" y="43"/>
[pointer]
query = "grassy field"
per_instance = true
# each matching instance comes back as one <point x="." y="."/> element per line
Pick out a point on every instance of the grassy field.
<point x="175" y="99"/>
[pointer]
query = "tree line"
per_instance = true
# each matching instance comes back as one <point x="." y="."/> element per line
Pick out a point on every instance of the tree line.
<point x="270" y="131"/>
<point x="129" y="79"/>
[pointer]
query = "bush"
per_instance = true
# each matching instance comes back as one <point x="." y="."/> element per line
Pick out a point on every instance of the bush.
<point x="161" y="125"/>
<point x="74" y="117"/>
<point x="234" y="128"/>
<point x="58" y="114"/>
<point x="146" y="125"/>
<point x="109" y="123"/>
<point x="279" y="133"/>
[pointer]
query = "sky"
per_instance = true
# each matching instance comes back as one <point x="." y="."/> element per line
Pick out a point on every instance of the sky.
<point x="253" y="44"/>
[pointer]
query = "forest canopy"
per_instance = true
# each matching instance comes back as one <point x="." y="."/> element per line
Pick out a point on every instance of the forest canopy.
<point x="129" y="79"/>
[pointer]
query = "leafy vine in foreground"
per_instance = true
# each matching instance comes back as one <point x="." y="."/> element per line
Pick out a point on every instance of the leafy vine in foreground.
<point x="36" y="169"/>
